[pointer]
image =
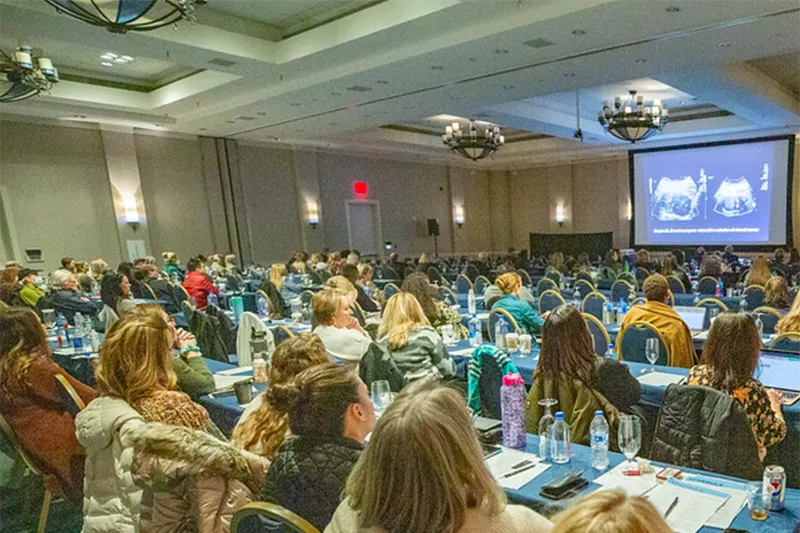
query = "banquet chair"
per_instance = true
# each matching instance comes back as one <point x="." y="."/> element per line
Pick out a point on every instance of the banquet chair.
<point x="473" y="272"/>
<point x="390" y="289"/>
<point x="786" y="342"/>
<point x="72" y="400"/>
<point x="707" y="285"/>
<point x="313" y="276"/>
<point x="377" y="364"/>
<point x="149" y="291"/>
<point x="593" y="304"/>
<point x="754" y="296"/>
<point x="793" y="292"/>
<point x="447" y="295"/>
<point x="463" y="284"/>
<point x="585" y="276"/>
<point x="306" y="296"/>
<point x="47" y="499"/>
<point x="435" y="276"/>
<point x="769" y="318"/>
<point x="710" y="303"/>
<point x="675" y="285"/>
<point x="526" y="278"/>
<point x="494" y="316"/>
<point x="480" y="284"/>
<point x="388" y="272"/>
<point x="281" y="333"/>
<point x="641" y="275"/>
<point x="633" y="339"/>
<point x="622" y="290"/>
<point x="671" y="298"/>
<point x="629" y="277"/>
<point x="359" y="313"/>
<point x="263" y="517"/>
<point x="489" y="385"/>
<point x="549" y="300"/>
<point x="743" y="275"/>
<point x="553" y="275"/>
<point x="639" y="301"/>
<point x="599" y="334"/>
<point x="546" y="284"/>
<point x="408" y="271"/>
<point x="181" y="294"/>
<point x="585" y="287"/>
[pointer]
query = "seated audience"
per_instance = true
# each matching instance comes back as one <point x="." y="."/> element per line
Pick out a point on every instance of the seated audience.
<point x="510" y="284"/>
<point x="436" y="311"/>
<point x="760" y="272"/>
<point x="657" y="312"/>
<point x="198" y="284"/>
<point x="67" y="267"/>
<point x="138" y="290"/>
<point x="424" y="471"/>
<point x="85" y="280"/>
<point x="581" y="381"/>
<point x="67" y="300"/>
<point x="779" y="260"/>
<point x="611" y="511"/>
<point x="291" y="283"/>
<point x="414" y="345"/>
<point x="582" y="264"/>
<point x="9" y="284"/>
<point x="215" y="266"/>
<point x="672" y="267"/>
<point x="794" y="265"/>
<point x="711" y="266"/>
<point x="557" y="263"/>
<point x="115" y="293"/>
<point x="271" y="286"/>
<point x="262" y="429"/>
<point x="423" y="264"/>
<point x="791" y="322"/>
<point x="230" y="267"/>
<point x="330" y="415"/>
<point x="162" y="289"/>
<point x="172" y="266"/>
<point x="353" y="258"/>
<point x="340" y="332"/>
<point x="335" y="263"/>
<point x="397" y="265"/>
<point x="482" y="264"/>
<point x="729" y="258"/>
<point x="350" y="272"/>
<point x="776" y="293"/>
<point x="365" y="281"/>
<point x="613" y="261"/>
<point x="31" y="289"/>
<point x="730" y="357"/>
<point x="34" y="406"/>
<point x="644" y="261"/>
<point x="97" y="268"/>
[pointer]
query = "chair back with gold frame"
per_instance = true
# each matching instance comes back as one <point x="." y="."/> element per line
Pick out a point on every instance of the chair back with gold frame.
<point x="71" y="394"/>
<point x="639" y="301"/>
<point x="593" y="304"/>
<point x="585" y="287"/>
<point x="622" y="289"/>
<point x="494" y="316"/>
<point x="546" y="284"/>
<point x="480" y="284"/>
<point x="549" y="300"/>
<point x="786" y="342"/>
<point x="675" y="284"/>
<point x="707" y="285"/>
<point x="447" y="295"/>
<point x="150" y="290"/>
<point x="281" y="333"/>
<point x="629" y="277"/>
<point x="306" y="296"/>
<point x="463" y="284"/>
<point x="633" y="339"/>
<point x="599" y="333"/>
<point x="769" y="318"/>
<point x="263" y="517"/>
<point x="526" y="278"/>
<point x="389" y="290"/>
<point x="754" y="296"/>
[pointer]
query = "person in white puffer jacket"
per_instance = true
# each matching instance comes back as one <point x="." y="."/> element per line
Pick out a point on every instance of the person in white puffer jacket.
<point x="111" y="500"/>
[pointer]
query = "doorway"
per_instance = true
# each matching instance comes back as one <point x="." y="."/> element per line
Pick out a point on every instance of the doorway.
<point x="364" y="226"/>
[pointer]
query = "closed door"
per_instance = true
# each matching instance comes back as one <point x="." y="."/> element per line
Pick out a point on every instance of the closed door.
<point x="362" y="227"/>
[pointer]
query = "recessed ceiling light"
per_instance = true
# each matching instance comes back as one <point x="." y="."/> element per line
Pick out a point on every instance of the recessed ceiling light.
<point x="79" y="116"/>
<point x="333" y="123"/>
<point x="437" y="67"/>
<point x="336" y="94"/>
<point x="724" y="45"/>
<point x="107" y="64"/>
<point x="673" y="9"/>
<point x="578" y="32"/>
<point x="501" y="51"/>
<point x="262" y="113"/>
<point x="296" y="104"/>
<point x="367" y="116"/>
<point x="538" y="43"/>
<point x="230" y="121"/>
<point x="202" y="129"/>
<point x="508" y="87"/>
<point x="641" y="60"/>
<point x="569" y="74"/>
<point x="359" y="88"/>
<point x="471" y="59"/>
<point x="382" y="82"/>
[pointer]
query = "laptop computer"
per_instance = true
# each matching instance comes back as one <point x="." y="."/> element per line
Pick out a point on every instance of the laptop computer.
<point x="695" y="317"/>
<point x="779" y="371"/>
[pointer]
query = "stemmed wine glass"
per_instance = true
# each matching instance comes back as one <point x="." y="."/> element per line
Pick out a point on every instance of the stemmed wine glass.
<point x="652" y="350"/>
<point x="49" y="318"/>
<point x="629" y="437"/>
<point x="545" y="426"/>
<point x="381" y="395"/>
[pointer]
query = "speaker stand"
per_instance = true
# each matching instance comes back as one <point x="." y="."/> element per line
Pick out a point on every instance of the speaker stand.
<point x="436" y="246"/>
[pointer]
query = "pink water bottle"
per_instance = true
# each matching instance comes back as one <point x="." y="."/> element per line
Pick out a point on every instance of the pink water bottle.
<point x="512" y="408"/>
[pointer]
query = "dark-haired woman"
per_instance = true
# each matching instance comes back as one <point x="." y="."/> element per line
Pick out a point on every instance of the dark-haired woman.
<point x="330" y="415"/>
<point x="730" y="357"/>
<point x="437" y="312"/>
<point x="570" y="372"/>
<point x="33" y="404"/>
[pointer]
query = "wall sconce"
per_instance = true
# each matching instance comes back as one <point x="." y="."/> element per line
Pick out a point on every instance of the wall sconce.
<point x="560" y="215"/>
<point x="459" y="217"/>
<point x="313" y="214"/>
<point x="131" y="211"/>
<point x="630" y="211"/>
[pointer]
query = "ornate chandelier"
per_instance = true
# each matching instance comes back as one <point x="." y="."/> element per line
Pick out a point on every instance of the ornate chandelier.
<point x="632" y="120"/>
<point x="26" y="76"/>
<point x="474" y="144"/>
<point x="119" y="16"/>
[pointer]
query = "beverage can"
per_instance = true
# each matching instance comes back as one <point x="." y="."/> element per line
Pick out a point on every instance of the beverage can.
<point x="774" y="486"/>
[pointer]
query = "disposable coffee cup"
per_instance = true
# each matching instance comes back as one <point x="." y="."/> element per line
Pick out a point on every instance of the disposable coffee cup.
<point x="244" y="391"/>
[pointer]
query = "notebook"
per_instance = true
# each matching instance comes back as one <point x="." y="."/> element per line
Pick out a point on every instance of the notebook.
<point x="695" y="317"/>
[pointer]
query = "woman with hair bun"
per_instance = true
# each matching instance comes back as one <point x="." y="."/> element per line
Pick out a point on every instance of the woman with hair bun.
<point x="330" y="415"/>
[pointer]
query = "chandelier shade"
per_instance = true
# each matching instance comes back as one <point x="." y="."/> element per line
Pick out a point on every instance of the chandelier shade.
<point x="473" y="144"/>
<point x="26" y="76"/>
<point x="633" y="120"/>
<point x="120" y="16"/>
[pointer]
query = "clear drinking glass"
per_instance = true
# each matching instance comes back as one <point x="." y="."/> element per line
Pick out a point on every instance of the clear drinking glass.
<point x="545" y="426"/>
<point x="49" y="318"/>
<point x="629" y="437"/>
<point x="712" y="314"/>
<point x="652" y="350"/>
<point x="381" y="395"/>
<point x="757" y="502"/>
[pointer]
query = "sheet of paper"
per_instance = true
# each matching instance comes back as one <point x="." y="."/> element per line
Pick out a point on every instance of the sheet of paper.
<point x="220" y="382"/>
<point x="508" y="461"/>
<point x="660" y="379"/>
<point x="694" y="508"/>
<point x="632" y="485"/>
<point x="701" y="335"/>
<point x="237" y="370"/>
<point x="737" y="498"/>
<point x="463" y="352"/>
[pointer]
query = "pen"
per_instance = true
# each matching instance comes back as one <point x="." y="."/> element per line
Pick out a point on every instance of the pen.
<point x="671" y="507"/>
<point x="517" y="471"/>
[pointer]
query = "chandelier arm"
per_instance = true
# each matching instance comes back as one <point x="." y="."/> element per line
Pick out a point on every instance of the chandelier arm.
<point x="100" y="11"/>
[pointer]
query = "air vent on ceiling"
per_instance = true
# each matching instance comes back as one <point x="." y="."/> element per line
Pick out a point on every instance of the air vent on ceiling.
<point x="538" y="43"/>
<point x="218" y="61"/>
<point x="359" y="88"/>
<point x="241" y="117"/>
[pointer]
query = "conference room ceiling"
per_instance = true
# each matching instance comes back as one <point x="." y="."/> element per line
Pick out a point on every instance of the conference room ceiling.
<point x="366" y="76"/>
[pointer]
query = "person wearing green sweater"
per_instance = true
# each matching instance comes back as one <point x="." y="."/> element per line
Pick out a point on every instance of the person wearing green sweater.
<point x="30" y="292"/>
<point x="528" y="319"/>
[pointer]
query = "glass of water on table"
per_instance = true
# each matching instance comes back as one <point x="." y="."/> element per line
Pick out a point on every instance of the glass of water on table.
<point x="381" y="395"/>
<point x="629" y="438"/>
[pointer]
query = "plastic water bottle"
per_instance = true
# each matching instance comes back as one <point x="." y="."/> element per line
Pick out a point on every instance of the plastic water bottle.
<point x="475" y="335"/>
<point x="608" y="313"/>
<point x="173" y="277"/>
<point x="94" y="340"/>
<point x="261" y="305"/>
<point x="598" y="437"/>
<point x="512" y="408"/>
<point x="560" y="446"/>
<point x="79" y="325"/>
<point x="576" y="299"/>
<point x="499" y="336"/>
<point x="472" y="306"/>
<point x="696" y="299"/>
<point x="720" y="288"/>
<point x="212" y="299"/>
<point x="759" y="324"/>
<point x="610" y="353"/>
<point x="742" y="303"/>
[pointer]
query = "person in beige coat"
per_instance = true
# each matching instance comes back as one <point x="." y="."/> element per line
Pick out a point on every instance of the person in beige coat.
<point x="423" y="471"/>
<point x="191" y="482"/>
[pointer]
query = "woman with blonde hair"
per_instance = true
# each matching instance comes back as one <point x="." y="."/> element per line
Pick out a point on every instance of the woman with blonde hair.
<point x="510" y="284"/>
<point x="791" y="322"/>
<point x="611" y="511"/>
<point x="97" y="267"/>
<point x="414" y="345"/>
<point x="776" y="293"/>
<point x="340" y="332"/>
<point x="261" y="429"/>
<point x="760" y="272"/>
<point x="423" y="471"/>
<point x="172" y="266"/>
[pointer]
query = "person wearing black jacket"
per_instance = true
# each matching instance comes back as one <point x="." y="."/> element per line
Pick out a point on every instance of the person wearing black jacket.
<point x="330" y="415"/>
<point x="68" y="301"/>
<point x="367" y="304"/>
